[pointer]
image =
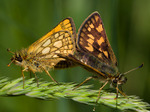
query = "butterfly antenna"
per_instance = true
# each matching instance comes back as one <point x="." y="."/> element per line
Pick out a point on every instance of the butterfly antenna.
<point x="134" y="69"/>
<point x="10" y="51"/>
<point x="11" y="62"/>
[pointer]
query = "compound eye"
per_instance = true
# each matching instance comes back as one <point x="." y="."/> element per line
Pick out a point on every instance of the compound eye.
<point x="124" y="80"/>
<point x="18" y="58"/>
<point x="114" y="81"/>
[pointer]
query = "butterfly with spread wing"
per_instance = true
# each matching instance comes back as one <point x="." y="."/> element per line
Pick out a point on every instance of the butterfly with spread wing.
<point x="94" y="53"/>
<point x="42" y="55"/>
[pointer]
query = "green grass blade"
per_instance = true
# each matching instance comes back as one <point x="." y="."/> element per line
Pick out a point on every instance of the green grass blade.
<point x="83" y="94"/>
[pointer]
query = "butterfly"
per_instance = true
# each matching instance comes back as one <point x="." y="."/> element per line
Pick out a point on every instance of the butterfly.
<point x="42" y="55"/>
<point x="94" y="53"/>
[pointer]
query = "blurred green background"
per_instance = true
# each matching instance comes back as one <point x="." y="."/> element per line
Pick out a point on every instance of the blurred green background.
<point x="127" y="24"/>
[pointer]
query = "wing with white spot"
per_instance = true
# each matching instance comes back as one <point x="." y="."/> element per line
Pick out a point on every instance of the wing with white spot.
<point x="60" y="42"/>
<point x="65" y="25"/>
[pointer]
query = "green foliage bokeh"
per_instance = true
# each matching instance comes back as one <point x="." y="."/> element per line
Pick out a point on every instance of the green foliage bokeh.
<point x="127" y="26"/>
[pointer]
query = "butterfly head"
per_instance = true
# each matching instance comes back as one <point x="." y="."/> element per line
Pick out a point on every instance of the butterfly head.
<point x="17" y="58"/>
<point x="119" y="79"/>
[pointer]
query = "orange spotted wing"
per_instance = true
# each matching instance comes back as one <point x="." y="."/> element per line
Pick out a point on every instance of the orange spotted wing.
<point x="93" y="49"/>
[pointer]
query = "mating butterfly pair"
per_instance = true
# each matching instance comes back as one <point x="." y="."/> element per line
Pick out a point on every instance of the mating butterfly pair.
<point x="60" y="48"/>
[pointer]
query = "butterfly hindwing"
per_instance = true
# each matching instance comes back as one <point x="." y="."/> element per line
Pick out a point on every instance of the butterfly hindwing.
<point x="92" y="39"/>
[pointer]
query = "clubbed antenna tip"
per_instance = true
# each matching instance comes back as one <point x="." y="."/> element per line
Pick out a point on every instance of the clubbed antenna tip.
<point x="141" y="65"/>
<point x="10" y="51"/>
<point x="134" y="69"/>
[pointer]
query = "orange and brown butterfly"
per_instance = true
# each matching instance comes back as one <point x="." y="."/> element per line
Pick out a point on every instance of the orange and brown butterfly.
<point x="42" y="55"/>
<point x="94" y="53"/>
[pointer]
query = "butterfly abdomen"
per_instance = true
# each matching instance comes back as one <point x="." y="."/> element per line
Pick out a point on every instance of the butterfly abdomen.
<point x="64" y="64"/>
<point x="92" y="64"/>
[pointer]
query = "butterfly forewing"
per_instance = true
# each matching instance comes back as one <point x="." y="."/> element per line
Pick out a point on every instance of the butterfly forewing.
<point x="65" y="25"/>
<point x="58" y="43"/>
<point x="59" y="40"/>
<point x="92" y="39"/>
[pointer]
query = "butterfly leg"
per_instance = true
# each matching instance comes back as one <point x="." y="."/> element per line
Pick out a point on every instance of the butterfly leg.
<point x="30" y="75"/>
<point x="100" y="90"/>
<point x="117" y="91"/>
<point x="87" y="79"/>
<point x="36" y="79"/>
<point x="22" y="70"/>
<point x="49" y="75"/>
<point x="120" y="92"/>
